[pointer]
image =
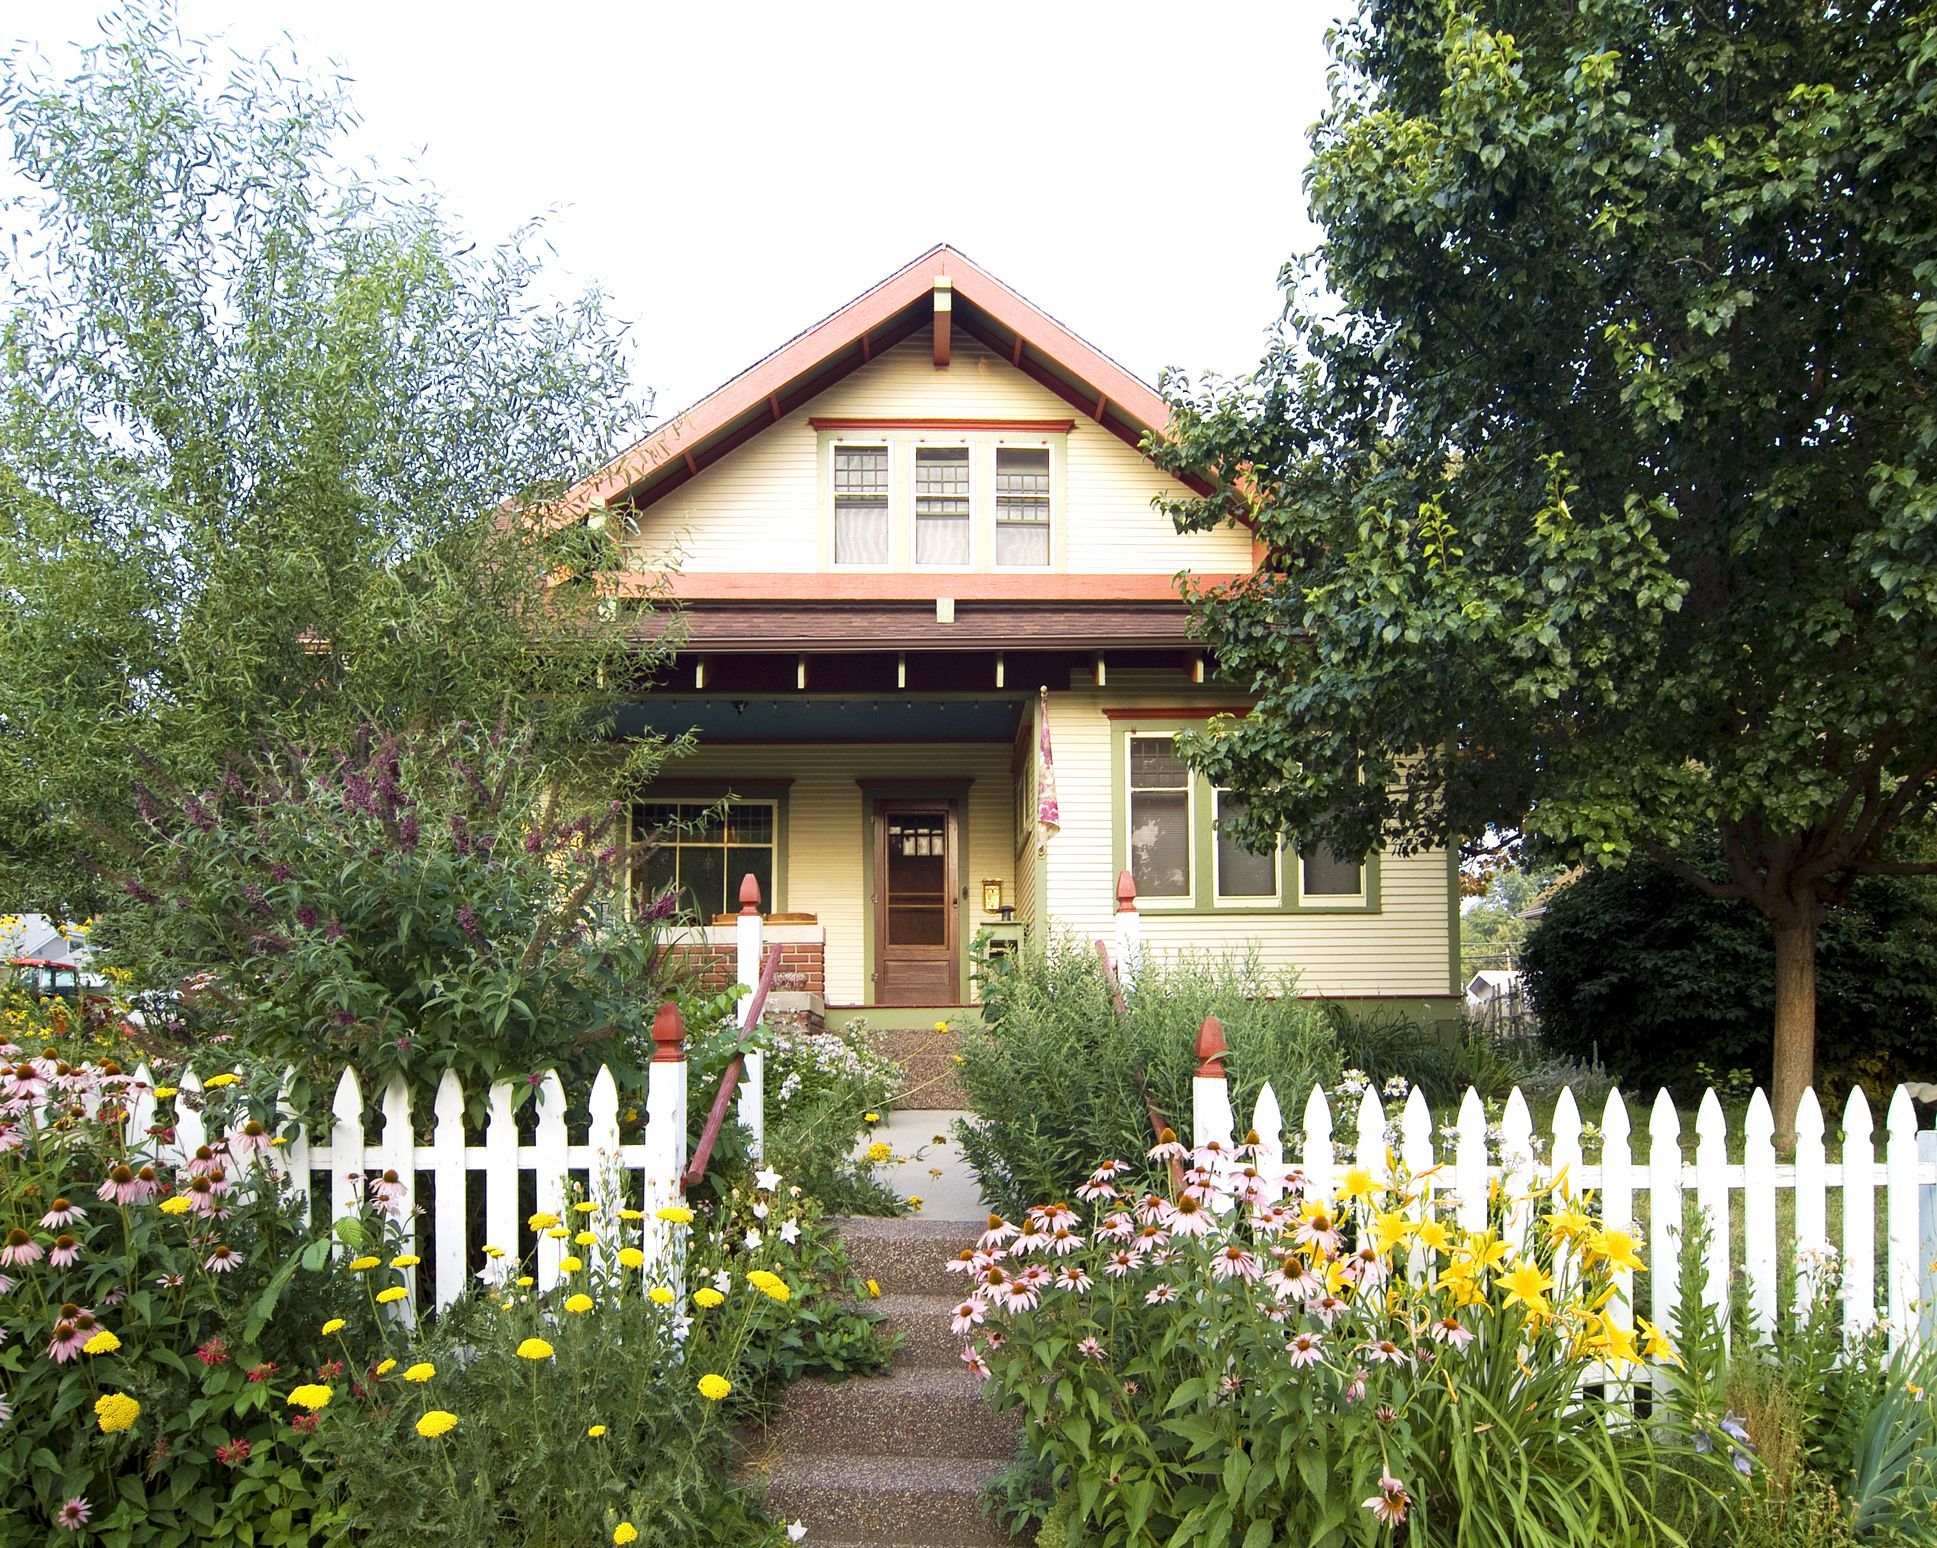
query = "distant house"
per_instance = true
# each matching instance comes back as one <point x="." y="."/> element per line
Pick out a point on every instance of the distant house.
<point x="935" y="653"/>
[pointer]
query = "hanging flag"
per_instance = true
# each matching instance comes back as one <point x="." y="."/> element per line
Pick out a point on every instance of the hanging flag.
<point x="1048" y="813"/>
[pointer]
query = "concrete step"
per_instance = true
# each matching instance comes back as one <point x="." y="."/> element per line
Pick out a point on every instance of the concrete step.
<point x="887" y="1499"/>
<point x="919" y="1411"/>
<point x="931" y="1081"/>
<point x="922" y="1322"/>
<point x="907" y="1257"/>
<point x="906" y="1042"/>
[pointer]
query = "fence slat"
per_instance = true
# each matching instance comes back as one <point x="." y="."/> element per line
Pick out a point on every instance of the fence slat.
<point x="141" y="1107"/>
<point x="1859" y="1215"/>
<point x="1812" y="1216"/>
<point x="1469" y="1162"/>
<point x="1564" y="1160"/>
<point x="346" y="1148"/>
<point x="1268" y="1123"/>
<point x="1664" y="1210"/>
<point x="551" y="1141"/>
<point x="190" y="1132"/>
<point x="1712" y="1198"/>
<point x="292" y="1156"/>
<point x="502" y="1227"/>
<point x="1901" y="1268"/>
<point x="1317" y="1157"/>
<point x="1518" y="1171"/>
<point x="607" y="1188"/>
<point x="453" y="1187"/>
<point x="1416" y="1153"/>
<point x="1369" y="1148"/>
<point x="399" y="1155"/>
<point x="1759" y="1213"/>
<point x="1617" y="1214"/>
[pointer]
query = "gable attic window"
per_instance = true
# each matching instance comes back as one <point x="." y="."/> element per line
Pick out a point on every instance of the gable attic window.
<point x="1022" y="507"/>
<point x="860" y="505"/>
<point x="942" y="505"/>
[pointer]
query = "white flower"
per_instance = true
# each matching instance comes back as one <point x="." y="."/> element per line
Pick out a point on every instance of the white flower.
<point x="790" y="1232"/>
<point x="753" y="1241"/>
<point x="723" y="1281"/>
<point x="760" y="1211"/>
<point x="796" y="1530"/>
<point x="766" y="1180"/>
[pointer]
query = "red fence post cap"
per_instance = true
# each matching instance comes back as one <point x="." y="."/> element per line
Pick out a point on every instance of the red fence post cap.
<point x="668" y="1035"/>
<point x="1126" y="893"/>
<point x="1210" y="1049"/>
<point x="749" y="894"/>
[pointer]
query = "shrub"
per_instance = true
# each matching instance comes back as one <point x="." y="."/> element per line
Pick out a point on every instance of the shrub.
<point x="1640" y="970"/>
<point x="1058" y="1078"/>
<point x="1201" y="1370"/>
<point x="820" y="1088"/>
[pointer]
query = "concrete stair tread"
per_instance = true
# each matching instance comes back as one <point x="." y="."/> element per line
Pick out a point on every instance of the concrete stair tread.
<point x="866" y="1497"/>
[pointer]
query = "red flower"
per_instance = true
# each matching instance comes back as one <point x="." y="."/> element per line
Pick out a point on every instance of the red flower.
<point x="305" y="1424"/>
<point x="234" y="1454"/>
<point x="329" y="1370"/>
<point x="214" y="1352"/>
<point x="263" y="1371"/>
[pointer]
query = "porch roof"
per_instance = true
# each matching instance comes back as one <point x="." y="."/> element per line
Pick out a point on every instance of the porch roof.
<point x="729" y="626"/>
<point x="722" y="718"/>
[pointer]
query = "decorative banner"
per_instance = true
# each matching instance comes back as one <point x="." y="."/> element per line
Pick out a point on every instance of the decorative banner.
<point x="1048" y="813"/>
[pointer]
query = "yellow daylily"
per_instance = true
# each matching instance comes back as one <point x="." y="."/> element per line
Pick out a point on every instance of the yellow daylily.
<point x="1616" y="1249"/>
<point x="1528" y="1284"/>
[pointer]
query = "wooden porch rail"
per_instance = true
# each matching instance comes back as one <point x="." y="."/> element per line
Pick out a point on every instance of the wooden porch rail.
<point x="730" y="1080"/>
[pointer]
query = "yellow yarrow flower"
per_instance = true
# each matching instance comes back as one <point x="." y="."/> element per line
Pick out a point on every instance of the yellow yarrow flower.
<point x="405" y="1260"/>
<point x="570" y="1264"/>
<point x="493" y="1252"/>
<point x="535" y="1349"/>
<point x="625" y="1532"/>
<point x="659" y="1295"/>
<point x="880" y="1150"/>
<point x="874" y="1291"/>
<point x="524" y="1282"/>
<point x="632" y="1258"/>
<point x="334" y="1325"/>
<point x="632" y="1214"/>
<point x="310" y="1395"/>
<point x="217" y="1082"/>
<point x="870" y="1118"/>
<point x="102" y="1343"/>
<point x="559" y="1233"/>
<point x="176" y="1205"/>
<point x="114" y="1411"/>
<point x="713" y="1387"/>
<point x="394" y="1293"/>
<point x="542" y="1221"/>
<point x="163" y="1093"/>
<point x="437" y="1422"/>
<point x="364" y="1264"/>
<point x="385" y="1367"/>
<point x="596" y="1431"/>
<point x="675" y="1214"/>
<point x="707" y="1297"/>
<point x="423" y="1370"/>
<point x="586" y="1238"/>
<point x="586" y="1207"/>
<point x="579" y="1304"/>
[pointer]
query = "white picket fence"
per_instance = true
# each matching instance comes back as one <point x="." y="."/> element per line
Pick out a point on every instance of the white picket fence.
<point x="1903" y="1182"/>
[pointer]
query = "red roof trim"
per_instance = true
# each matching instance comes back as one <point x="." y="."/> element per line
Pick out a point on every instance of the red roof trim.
<point x="1019" y="426"/>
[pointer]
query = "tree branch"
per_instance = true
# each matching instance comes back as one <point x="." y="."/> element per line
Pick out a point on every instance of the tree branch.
<point x="1677" y="867"/>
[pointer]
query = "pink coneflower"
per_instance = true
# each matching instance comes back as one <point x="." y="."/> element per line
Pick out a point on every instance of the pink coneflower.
<point x="965" y="1262"/>
<point x="20" y="1250"/>
<point x="999" y="1232"/>
<point x="1035" y="1275"/>
<point x="1072" y="1278"/>
<point x="1269" y="1219"/>
<point x="252" y="1136"/>
<point x="1385" y="1413"/>
<point x="1090" y="1349"/>
<point x="1212" y="1153"/>
<point x="1030" y="1237"/>
<point x="1390" y="1503"/>
<point x="1229" y="1382"/>
<point x="1151" y="1207"/>
<point x="218" y="1180"/>
<point x="10" y="1137"/>
<point x="1450" y="1330"/>
<point x="60" y="1215"/>
<point x="1234" y="1262"/>
<point x="1167" y="1148"/>
<point x="1018" y="1297"/>
<point x="119" y="1187"/>
<point x="1188" y="1218"/>
<point x="66" y="1250"/>
<point x="1326" y="1309"/>
<point x="994" y="1340"/>
<point x="1093" y="1190"/>
<point x="1317" y="1228"/>
<point x="1384" y="1352"/>
<point x="74" y="1515"/>
<point x="1355" y="1388"/>
<point x="1117" y="1226"/>
<point x="204" y="1162"/>
<point x="169" y="1281"/>
<point x="74" y="1328"/>
<point x="965" y="1316"/>
<point x="1120" y="1263"/>
<point x="148" y="1183"/>
<point x="1293" y="1279"/>
<point x="1273" y="1311"/>
<point x="24" y="1083"/>
<point x="1149" y="1237"/>
<point x="223" y="1259"/>
<point x="1050" y="1216"/>
<point x="1159" y="1295"/>
<point x="972" y="1358"/>
<point x="1304" y="1349"/>
<point x="388" y="1193"/>
<point x="1063" y="1241"/>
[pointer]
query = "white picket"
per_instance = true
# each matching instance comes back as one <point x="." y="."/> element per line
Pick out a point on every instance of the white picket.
<point x="665" y="1162"/>
<point x="1901" y="1268"/>
<point x="1268" y="1123"/>
<point x="190" y="1132"/>
<point x="1759" y="1213"/>
<point x="1812" y="1213"/>
<point x="550" y="1145"/>
<point x="1617" y="1214"/>
<point x="346" y="1148"/>
<point x="1927" y="1226"/>
<point x="1712" y="1199"/>
<point x="1469" y="1163"/>
<point x="1317" y="1157"/>
<point x="1517" y="1171"/>
<point x="1369" y="1149"/>
<point x="141" y="1107"/>
<point x="502" y="1227"/>
<point x="1664" y="1210"/>
<point x="1416" y="1154"/>
<point x="294" y="1151"/>
<point x="1564" y="1159"/>
<point x="453" y="1181"/>
<point x="607" y="1188"/>
<point x="399" y="1155"/>
<point x="1859" y="1215"/>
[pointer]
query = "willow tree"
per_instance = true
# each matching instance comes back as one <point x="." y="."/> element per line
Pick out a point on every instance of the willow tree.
<point x="1596" y="458"/>
<point x="276" y="446"/>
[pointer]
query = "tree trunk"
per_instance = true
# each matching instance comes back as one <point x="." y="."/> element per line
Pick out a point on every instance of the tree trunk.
<point x="1795" y="1048"/>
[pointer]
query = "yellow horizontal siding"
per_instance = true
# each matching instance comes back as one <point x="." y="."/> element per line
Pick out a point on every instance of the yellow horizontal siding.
<point x="827" y="833"/>
<point x="758" y="509"/>
<point x="1403" y="949"/>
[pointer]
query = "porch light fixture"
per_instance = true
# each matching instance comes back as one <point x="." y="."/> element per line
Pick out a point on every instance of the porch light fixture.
<point x="991" y="897"/>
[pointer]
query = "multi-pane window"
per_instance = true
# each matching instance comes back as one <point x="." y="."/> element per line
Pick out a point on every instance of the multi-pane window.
<point x="1022" y="506"/>
<point x="704" y="848"/>
<point x="1328" y="874"/>
<point x="942" y="505"/>
<point x="860" y="505"/>
<point x="1241" y="874"/>
<point x="1159" y="818"/>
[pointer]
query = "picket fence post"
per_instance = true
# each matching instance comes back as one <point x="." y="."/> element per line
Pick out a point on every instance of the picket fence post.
<point x="665" y="1132"/>
<point x="1759" y="1213"/>
<point x="294" y="1153"/>
<point x="1927" y="1230"/>
<point x="346" y="1148"/>
<point x="751" y="1104"/>
<point x="1901" y="1268"/>
<point x="399" y="1155"/>
<point x="549" y="1141"/>
<point x="1268" y="1123"/>
<point x="1664" y="1210"/>
<point x="1859" y="1215"/>
<point x="1812" y="1209"/>
<point x="1210" y="1093"/>
<point x="607" y="1181"/>
<point x="453" y="1186"/>
<point x="1712" y="1199"/>
<point x="1129" y="931"/>
<point x="1317" y="1160"/>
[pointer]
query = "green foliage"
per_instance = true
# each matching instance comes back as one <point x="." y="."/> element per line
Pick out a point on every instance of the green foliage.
<point x="821" y="1085"/>
<point x="1492" y="930"/>
<point x="1640" y="967"/>
<point x="213" y="1317"/>
<point x="278" y="449"/>
<point x="1058" y="1079"/>
<point x="414" y="903"/>
<point x="1599" y="482"/>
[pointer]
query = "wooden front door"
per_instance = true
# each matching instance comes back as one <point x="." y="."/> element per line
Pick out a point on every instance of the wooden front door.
<point x="917" y="904"/>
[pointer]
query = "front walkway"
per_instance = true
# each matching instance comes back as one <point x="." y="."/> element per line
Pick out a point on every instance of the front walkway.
<point x="940" y="1178"/>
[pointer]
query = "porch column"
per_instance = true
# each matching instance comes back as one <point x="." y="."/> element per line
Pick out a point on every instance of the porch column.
<point x="752" y="1103"/>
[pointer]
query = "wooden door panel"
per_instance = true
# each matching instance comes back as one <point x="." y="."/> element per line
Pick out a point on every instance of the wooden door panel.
<point x="917" y="898"/>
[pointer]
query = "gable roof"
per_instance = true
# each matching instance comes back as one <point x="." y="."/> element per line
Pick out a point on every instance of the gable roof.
<point x="899" y="306"/>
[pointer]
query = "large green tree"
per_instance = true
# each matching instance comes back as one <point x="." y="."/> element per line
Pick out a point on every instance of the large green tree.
<point x="1597" y="465"/>
<point x="276" y="447"/>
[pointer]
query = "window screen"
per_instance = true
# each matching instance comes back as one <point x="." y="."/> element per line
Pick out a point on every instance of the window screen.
<point x="704" y="850"/>
<point x="1329" y="875"/>
<point x="1159" y="818"/>
<point x="1022" y="506"/>
<point x="1241" y="874"/>
<point x="860" y="505"/>
<point x="942" y="505"/>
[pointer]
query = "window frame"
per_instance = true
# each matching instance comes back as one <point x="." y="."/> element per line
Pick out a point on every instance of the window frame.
<point x="995" y="509"/>
<point x="772" y="795"/>
<point x="1193" y="869"/>
<point x="837" y="445"/>
<point x="1331" y="900"/>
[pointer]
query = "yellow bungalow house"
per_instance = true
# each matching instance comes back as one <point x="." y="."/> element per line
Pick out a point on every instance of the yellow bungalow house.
<point x="917" y="555"/>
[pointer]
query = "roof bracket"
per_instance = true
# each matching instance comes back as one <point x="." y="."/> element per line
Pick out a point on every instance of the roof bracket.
<point x="944" y="314"/>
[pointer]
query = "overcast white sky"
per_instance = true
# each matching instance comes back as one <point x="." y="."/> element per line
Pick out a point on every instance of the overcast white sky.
<point x="732" y="173"/>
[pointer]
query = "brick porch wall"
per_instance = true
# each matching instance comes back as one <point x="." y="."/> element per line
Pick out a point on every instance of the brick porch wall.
<point x="803" y="962"/>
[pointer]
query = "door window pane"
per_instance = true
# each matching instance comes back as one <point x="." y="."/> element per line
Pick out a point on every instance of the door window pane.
<point x="917" y="880"/>
<point x="942" y="505"/>
<point x="1159" y="856"/>
<point x="1241" y="874"/>
<point x="860" y="505"/>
